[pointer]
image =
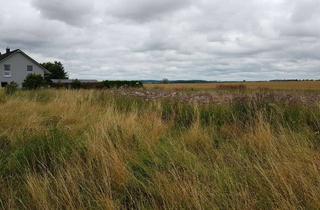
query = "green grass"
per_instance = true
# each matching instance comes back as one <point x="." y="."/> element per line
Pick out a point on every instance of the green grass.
<point x="86" y="149"/>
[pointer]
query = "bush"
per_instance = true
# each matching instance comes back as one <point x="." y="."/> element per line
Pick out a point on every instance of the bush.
<point x="33" y="81"/>
<point x="11" y="88"/>
<point x="118" y="84"/>
<point x="76" y="84"/>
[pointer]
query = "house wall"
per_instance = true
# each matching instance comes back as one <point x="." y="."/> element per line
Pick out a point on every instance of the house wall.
<point x="19" y="71"/>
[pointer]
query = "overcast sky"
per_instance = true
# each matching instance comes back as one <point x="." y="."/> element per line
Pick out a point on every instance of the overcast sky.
<point x="175" y="39"/>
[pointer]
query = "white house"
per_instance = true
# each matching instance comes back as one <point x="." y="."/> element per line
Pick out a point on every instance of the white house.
<point x="15" y="66"/>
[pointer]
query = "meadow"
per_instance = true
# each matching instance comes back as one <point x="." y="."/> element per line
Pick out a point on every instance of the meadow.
<point x="97" y="149"/>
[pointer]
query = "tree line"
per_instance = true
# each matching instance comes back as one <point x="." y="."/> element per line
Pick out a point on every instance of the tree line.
<point x="57" y="71"/>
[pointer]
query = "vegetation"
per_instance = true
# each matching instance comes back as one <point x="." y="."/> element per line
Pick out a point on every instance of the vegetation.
<point x="33" y="81"/>
<point x="89" y="149"/>
<point x="76" y="84"/>
<point x="165" y="81"/>
<point x="231" y="87"/>
<point x="56" y="70"/>
<point x="121" y="83"/>
<point x="11" y="88"/>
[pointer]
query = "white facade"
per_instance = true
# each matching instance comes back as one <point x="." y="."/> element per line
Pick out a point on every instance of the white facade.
<point x="16" y="67"/>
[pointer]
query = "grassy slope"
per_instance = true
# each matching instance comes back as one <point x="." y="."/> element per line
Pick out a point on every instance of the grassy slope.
<point x="90" y="150"/>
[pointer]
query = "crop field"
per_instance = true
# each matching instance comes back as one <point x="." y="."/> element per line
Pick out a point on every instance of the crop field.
<point x="290" y="85"/>
<point x="162" y="147"/>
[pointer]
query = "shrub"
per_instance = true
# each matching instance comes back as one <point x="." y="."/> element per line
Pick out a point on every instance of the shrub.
<point x="33" y="81"/>
<point x="76" y="84"/>
<point x="11" y="88"/>
<point x="118" y="84"/>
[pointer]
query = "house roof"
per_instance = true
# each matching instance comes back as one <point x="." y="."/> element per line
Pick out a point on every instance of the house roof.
<point x="69" y="81"/>
<point x="7" y="55"/>
<point x="4" y="56"/>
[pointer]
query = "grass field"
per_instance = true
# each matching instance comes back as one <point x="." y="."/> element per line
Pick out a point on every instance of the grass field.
<point x="299" y="85"/>
<point x="93" y="149"/>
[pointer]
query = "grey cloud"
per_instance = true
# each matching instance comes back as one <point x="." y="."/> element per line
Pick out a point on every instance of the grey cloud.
<point x="303" y="20"/>
<point x="182" y="39"/>
<point x="305" y="10"/>
<point x="145" y="10"/>
<point x="73" y="12"/>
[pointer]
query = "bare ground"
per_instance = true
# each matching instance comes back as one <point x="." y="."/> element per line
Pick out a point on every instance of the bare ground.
<point x="223" y="97"/>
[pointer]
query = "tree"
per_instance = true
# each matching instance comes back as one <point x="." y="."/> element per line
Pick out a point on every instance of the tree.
<point x="33" y="81"/>
<point x="56" y="70"/>
<point x="165" y="81"/>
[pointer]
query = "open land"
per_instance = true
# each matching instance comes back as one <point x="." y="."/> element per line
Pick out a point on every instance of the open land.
<point x="281" y="85"/>
<point x="161" y="148"/>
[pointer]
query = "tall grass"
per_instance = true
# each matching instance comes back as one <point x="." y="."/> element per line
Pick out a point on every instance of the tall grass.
<point x="71" y="149"/>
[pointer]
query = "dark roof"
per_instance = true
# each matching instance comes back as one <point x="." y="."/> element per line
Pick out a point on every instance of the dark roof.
<point x="69" y="81"/>
<point x="3" y="56"/>
<point x="6" y="55"/>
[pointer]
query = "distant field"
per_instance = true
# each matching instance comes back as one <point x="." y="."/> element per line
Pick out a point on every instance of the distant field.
<point x="307" y="85"/>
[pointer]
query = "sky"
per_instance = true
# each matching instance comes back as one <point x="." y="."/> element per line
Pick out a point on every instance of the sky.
<point x="174" y="39"/>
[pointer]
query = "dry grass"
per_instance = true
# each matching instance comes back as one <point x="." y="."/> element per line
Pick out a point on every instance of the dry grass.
<point x="94" y="150"/>
<point x="303" y="85"/>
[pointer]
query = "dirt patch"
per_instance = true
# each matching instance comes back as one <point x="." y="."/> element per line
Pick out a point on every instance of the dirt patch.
<point x="222" y="98"/>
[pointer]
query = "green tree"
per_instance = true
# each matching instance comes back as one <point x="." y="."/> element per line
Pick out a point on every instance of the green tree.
<point x="56" y="70"/>
<point x="33" y="81"/>
<point x="165" y="81"/>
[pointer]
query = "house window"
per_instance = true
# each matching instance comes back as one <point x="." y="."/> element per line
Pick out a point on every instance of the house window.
<point x="7" y="70"/>
<point x="7" y="67"/>
<point x="29" y="68"/>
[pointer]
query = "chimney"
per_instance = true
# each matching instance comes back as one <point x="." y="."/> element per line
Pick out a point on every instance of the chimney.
<point x="8" y="50"/>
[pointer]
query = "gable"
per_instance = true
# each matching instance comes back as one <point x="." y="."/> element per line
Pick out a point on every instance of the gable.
<point x="7" y="56"/>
